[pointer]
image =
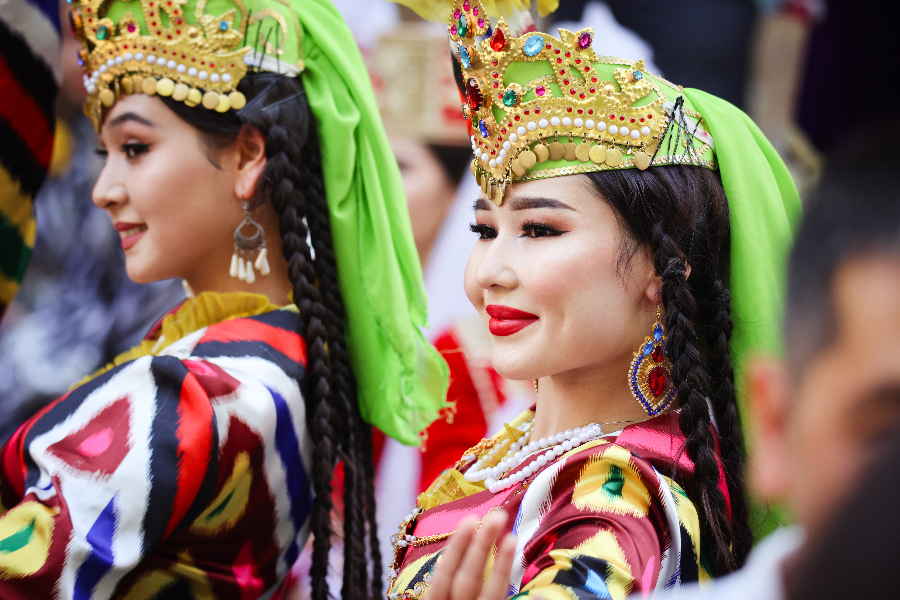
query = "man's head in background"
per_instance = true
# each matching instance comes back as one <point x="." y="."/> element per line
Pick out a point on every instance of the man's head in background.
<point x="820" y="415"/>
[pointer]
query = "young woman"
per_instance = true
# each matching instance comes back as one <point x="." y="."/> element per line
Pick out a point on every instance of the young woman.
<point x="619" y="215"/>
<point x="197" y="464"/>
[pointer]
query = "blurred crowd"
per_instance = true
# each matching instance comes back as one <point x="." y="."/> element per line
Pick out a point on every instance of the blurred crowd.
<point x="793" y="65"/>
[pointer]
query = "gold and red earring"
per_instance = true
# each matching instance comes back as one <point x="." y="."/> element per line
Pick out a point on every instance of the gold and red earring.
<point x="650" y="374"/>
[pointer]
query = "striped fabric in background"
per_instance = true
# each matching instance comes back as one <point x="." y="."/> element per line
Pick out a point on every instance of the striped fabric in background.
<point x="30" y="74"/>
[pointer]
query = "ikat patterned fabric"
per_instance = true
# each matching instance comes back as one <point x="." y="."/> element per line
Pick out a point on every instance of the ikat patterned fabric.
<point x="607" y="519"/>
<point x="178" y="475"/>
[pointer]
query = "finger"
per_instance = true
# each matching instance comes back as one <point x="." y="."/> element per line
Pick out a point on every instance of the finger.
<point x="498" y="583"/>
<point x="450" y="558"/>
<point x="470" y="574"/>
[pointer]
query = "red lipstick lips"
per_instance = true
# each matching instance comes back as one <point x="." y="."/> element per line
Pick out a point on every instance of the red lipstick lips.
<point x="506" y="320"/>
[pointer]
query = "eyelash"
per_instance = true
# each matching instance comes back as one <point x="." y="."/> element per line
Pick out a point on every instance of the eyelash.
<point x="131" y="150"/>
<point x="530" y="230"/>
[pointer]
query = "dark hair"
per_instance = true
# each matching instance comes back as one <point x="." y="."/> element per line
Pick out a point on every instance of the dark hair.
<point x="454" y="159"/>
<point x="292" y="182"/>
<point x="861" y="537"/>
<point x="682" y="214"/>
<point x="856" y="213"/>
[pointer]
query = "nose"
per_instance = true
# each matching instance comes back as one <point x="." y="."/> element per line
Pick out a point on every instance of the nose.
<point x="109" y="190"/>
<point x="496" y="268"/>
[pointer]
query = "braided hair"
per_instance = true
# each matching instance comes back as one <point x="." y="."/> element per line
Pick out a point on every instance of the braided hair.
<point x="681" y="212"/>
<point x="292" y="181"/>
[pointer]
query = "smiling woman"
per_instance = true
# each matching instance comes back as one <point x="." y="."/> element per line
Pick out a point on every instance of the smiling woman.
<point x="618" y="215"/>
<point x="198" y="463"/>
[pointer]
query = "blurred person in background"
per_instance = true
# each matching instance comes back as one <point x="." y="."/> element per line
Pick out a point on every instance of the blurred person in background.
<point x="420" y="106"/>
<point x="820" y="416"/>
<point x="76" y="308"/>
<point x="860" y="538"/>
<point x="30" y="73"/>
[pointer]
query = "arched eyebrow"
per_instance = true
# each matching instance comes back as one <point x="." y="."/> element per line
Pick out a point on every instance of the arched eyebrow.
<point x="130" y="116"/>
<point x="527" y="202"/>
<point x="524" y="203"/>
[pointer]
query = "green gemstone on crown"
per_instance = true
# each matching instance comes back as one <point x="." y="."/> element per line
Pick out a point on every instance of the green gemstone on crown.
<point x="462" y="28"/>
<point x="102" y="32"/>
<point x="510" y="98"/>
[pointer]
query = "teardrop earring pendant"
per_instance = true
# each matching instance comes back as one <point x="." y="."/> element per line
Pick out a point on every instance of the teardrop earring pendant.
<point x="650" y="374"/>
<point x="244" y="246"/>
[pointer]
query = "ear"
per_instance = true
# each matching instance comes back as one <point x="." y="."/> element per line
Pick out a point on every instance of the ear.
<point x="251" y="146"/>
<point x="768" y="408"/>
<point x="654" y="281"/>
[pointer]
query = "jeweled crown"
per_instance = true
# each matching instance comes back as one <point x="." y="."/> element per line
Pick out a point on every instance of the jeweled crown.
<point x="196" y="51"/>
<point x="531" y="97"/>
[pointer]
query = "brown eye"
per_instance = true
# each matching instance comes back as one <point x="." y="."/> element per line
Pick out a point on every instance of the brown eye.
<point x="537" y="230"/>
<point x="134" y="149"/>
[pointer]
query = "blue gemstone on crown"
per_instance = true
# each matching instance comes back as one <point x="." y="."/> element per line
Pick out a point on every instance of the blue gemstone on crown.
<point x="464" y="59"/>
<point x="483" y="128"/>
<point x="638" y="75"/>
<point x="223" y="25"/>
<point x="533" y="45"/>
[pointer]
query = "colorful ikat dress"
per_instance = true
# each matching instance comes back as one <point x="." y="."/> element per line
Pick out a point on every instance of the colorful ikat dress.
<point x="604" y="520"/>
<point x="180" y="473"/>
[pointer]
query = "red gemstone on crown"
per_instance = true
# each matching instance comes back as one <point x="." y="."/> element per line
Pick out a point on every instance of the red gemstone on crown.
<point x="633" y="120"/>
<point x="498" y="40"/>
<point x="466" y="5"/>
<point x="658" y="378"/>
<point x="584" y="40"/>
<point x="475" y="11"/>
<point x="537" y="111"/>
<point x="131" y="27"/>
<point x="474" y="94"/>
<point x="540" y="90"/>
<point x="658" y="353"/>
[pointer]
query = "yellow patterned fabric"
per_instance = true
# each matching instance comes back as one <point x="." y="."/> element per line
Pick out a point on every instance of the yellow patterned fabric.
<point x="600" y="522"/>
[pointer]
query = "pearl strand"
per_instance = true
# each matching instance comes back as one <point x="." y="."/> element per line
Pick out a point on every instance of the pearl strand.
<point x="561" y="442"/>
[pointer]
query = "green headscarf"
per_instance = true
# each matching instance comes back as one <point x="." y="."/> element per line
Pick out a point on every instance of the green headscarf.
<point x="402" y="379"/>
<point x="198" y="54"/>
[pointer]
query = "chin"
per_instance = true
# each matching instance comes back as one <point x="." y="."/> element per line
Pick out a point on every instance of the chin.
<point x="517" y="364"/>
<point x="142" y="273"/>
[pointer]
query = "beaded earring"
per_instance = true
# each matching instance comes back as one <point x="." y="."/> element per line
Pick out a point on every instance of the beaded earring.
<point x="245" y="246"/>
<point x="650" y="374"/>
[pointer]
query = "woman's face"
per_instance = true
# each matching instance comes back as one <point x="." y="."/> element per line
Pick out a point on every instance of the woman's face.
<point x="174" y="210"/>
<point x="552" y="251"/>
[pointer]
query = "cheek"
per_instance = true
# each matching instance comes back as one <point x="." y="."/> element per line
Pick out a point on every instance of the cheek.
<point x="470" y="281"/>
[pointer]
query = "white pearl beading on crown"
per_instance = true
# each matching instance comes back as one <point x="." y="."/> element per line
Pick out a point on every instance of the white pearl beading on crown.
<point x="520" y="449"/>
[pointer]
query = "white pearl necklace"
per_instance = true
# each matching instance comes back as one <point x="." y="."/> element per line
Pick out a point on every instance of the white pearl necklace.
<point x="521" y="448"/>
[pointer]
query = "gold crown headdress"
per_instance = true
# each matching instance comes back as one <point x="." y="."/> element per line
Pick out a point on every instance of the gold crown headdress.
<point x="531" y="98"/>
<point x="181" y="48"/>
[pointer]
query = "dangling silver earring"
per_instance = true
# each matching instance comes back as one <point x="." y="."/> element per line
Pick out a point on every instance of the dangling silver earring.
<point x="245" y="246"/>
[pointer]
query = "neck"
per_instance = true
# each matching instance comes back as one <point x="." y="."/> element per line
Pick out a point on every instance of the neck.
<point x="586" y="395"/>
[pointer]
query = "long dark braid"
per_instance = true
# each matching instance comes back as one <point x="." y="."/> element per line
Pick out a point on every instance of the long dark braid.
<point x="292" y="182"/>
<point x="360" y="488"/>
<point x="681" y="213"/>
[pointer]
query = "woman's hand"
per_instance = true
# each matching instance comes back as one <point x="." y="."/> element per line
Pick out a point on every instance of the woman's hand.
<point x="460" y="572"/>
